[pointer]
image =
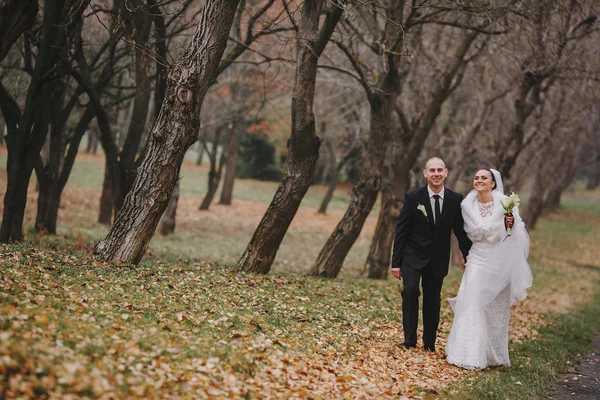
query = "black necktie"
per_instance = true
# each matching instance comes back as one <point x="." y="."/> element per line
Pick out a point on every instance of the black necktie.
<point x="437" y="208"/>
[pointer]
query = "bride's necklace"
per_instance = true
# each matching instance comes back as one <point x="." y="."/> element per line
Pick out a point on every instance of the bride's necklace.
<point x="485" y="209"/>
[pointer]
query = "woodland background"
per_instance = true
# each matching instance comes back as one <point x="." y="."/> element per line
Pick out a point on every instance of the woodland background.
<point x="204" y="139"/>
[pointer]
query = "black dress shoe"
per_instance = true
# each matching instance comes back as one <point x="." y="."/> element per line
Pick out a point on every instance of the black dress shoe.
<point x="429" y="348"/>
<point x="406" y="346"/>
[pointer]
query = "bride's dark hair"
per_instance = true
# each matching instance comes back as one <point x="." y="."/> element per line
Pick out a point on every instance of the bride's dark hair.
<point x="493" y="177"/>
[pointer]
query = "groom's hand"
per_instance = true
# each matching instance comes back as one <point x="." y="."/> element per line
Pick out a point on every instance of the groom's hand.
<point x="397" y="273"/>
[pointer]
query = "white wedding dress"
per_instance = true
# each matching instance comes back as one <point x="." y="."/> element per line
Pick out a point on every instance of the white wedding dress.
<point x="497" y="274"/>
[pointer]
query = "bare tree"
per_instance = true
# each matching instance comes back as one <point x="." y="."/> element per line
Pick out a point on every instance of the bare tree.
<point x="552" y="33"/>
<point x="27" y="128"/>
<point x="174" y="132"/>
<point x="303" y="145"/>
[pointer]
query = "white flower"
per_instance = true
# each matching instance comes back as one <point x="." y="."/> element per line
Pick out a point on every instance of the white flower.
<point x="421" y="208"/>
<point x="510" y="202"/>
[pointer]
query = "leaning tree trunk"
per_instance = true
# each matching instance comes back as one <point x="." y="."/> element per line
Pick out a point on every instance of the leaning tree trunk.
<point x="232" y="160"/>
<point x="174" y="132"/>
<point x="364" y="194"/>
<point x="333" y="179"/>
<point x="303" y="145"/>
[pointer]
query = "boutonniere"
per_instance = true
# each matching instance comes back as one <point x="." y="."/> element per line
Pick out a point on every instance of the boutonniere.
<point x="421" y="208"/>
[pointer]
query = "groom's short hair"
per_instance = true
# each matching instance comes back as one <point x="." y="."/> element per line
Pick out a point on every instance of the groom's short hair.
<point x="434" y="159"/>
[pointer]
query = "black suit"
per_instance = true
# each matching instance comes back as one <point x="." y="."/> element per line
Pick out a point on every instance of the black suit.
<point x="422" y="250"/>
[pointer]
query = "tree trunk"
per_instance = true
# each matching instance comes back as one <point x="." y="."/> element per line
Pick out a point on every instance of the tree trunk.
<point x="167" y="222"/>
<point x="56" y="174"/>
<point x="48" y="174"/>
<point x="593" y="178"/>
<point x="92" y="141"/>
<point x="413" y="139"/>
<point x="27" y="131"/>
<point x="174" y="132"/>
<point x="138" y="24"/>
<point x="214" y="174"/>
<point x="535" y="205"/>
<point x="364" y="194"/>
<point x="303" y="145"/>
<point x="105" y="215"/>
<point x="232" y="160"/>
<point x="200" y="153"/>
<point x="333" y="178"/>
<point x="2" y="128"/>
<point x="16" y="16"/>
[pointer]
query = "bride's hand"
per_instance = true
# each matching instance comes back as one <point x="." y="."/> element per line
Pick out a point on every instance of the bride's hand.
<point x="464" y="267"/>
<point x="510" y="220"/>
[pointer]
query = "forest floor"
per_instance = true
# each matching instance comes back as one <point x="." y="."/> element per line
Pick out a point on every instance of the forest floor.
<point x="184" y="324"/>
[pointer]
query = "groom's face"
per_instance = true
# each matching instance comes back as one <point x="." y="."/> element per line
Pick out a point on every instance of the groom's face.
<point x="435" y="172"/>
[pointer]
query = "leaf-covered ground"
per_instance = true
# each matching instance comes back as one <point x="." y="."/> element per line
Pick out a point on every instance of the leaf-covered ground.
<point x="179" y="327"/>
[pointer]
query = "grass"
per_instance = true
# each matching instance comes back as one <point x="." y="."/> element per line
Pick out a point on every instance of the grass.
<point x="184" y="323"/>
<point x="537" y="363"/>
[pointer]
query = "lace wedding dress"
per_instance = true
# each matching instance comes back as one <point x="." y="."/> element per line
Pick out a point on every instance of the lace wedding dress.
<point x="496" y="275"/>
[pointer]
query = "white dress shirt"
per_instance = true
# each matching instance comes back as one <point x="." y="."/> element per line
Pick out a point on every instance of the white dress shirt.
<point x="432" y="200"/>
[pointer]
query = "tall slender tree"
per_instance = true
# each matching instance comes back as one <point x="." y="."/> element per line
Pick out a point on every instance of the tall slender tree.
<point x="303" y="145"/>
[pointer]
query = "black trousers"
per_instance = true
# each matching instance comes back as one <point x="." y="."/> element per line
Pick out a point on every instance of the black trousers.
<point x="432" y="288"/>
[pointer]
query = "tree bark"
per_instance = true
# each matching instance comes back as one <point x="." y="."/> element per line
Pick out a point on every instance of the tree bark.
<point x="303" y="145"/>
<point x="215" y="172"/>
<point x="200" y="153"/>
<point x="232" y="160"/>
<point x="105" y="215"/>
<point x="2" y="128"/>
<point x="168" y="220"/>
<point x="92" y="141"/>
<point x="333" y="178"/>
<point x="49" y="194"/>
<point x="174" y="132"/>
<point x="16" y="16"/>
<point x="334" y="171"/>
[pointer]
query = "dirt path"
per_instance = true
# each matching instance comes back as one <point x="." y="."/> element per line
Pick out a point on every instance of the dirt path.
<point x="583" y="380"/>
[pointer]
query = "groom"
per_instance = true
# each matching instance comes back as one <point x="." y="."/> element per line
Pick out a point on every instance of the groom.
<point x="422" y="250"/>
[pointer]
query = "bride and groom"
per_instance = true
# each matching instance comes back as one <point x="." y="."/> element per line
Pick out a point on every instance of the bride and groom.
<point x="496" y="272"/>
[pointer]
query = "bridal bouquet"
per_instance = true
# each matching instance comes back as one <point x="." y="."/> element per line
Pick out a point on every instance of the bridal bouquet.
<point x="508" y="204"/>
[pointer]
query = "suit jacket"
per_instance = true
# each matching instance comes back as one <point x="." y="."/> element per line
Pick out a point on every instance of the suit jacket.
<point x="419" y="241"/>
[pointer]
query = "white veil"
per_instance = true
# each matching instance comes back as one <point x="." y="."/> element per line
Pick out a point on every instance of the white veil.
<point x="498" y="179"/>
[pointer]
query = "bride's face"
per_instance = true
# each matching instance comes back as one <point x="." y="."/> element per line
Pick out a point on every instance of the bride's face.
<point x="483" y="181"/>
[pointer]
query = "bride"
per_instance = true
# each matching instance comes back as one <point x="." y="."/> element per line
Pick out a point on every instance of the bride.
<point x="496" y="275"/>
